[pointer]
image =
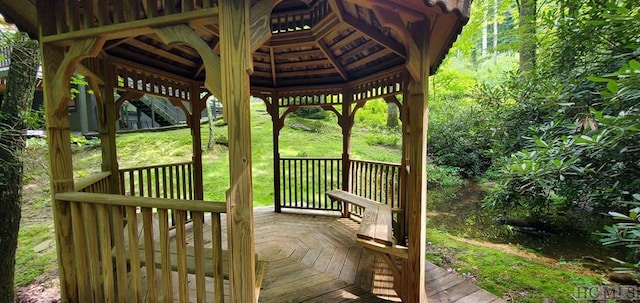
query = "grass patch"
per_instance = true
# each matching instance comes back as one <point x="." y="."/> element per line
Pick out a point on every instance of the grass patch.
<point x="505" y="274"/>
<point x="30" y="263"/>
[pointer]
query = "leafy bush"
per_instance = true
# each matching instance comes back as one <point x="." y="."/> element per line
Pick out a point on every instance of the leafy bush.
<point x="221" y="139"/>
<point x="373" y="115"/>
<point x="312" y="112"/>
<point x="587" y="161"/>
<point x="443" y="176"/>
<point x="625" y="233"/>
<point x="309" y="125"/>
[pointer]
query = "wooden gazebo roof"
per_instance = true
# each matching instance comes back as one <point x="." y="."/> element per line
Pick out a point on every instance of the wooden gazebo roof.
<point x="313" y="42"/>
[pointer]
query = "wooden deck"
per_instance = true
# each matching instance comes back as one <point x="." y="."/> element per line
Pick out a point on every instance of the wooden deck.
<point x="315" y="258"/>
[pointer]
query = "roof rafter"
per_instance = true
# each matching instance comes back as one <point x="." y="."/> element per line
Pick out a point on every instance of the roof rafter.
<point x="334" y="61"/>
<point x="373" y="34"/>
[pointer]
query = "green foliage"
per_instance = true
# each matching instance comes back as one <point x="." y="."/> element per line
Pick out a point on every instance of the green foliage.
<point x="308" y="125"/>
<point x="312" y="112"/>
<point x="35" y="120"/>
<point x="573" y="137"/>
<point x="443" y="176"/>
<point x="80" y="141"/>
<point x="384" y="138"/>
<point x="221" y="139"/>
<point x="373" y="115"/>
<point x="625" y="233"/>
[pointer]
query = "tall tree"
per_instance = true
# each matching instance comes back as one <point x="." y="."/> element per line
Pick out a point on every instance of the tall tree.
<point x="485" y="24"/>
<point x="211" y="115"/>
<point x="392" y="115"/>
<point x="495" y="31"/>
<point x="527" y="34"/>
<point x="14" y="109"/>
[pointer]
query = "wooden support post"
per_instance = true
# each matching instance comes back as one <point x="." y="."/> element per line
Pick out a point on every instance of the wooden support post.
<point x="346" y="123"/>
<point x="57" y="68"/>
<point x="234" y="56"/>
<point x="107" y="119"/>
<point x="60" y="164"/>
<point x="197" y="106"/>
<point x="415" y="159"/>
<point x="277" y="124"/>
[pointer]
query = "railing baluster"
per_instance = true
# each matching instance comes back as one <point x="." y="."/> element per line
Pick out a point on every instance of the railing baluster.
<point x="181" y="243"/>
<point x="118" y="241"/>
<point x="104" y="236"/>
<point x="165" y="255"/>
<point x="289" y="177"/>
<point x="295" y="182"/>
<point x="132" y="185"/>
<point x="141" y="183"/>
<point x="158" y="178"/>
<point x="93" y="252"/>
<point x="306" y="174"/>
<point x="198" y="245"/>
<point x="216" y="239"/>
<point x="149" y="182"/>
<point x="84" y="291"/>
<point x="149" y="250"/>
<point x="134" y="255"/>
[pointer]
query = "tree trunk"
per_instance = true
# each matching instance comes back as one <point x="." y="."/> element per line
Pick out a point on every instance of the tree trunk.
<point x="485" y="24"/>
<point x="14" y="109"/>
<point x="211" y="114"/>
<point x="495" y="32"/>
<point x="392" y="115"/>
<point x="527" y="35"/>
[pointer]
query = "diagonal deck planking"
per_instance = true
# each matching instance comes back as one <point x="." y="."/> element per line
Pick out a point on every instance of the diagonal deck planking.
<point x="315" y="258"/>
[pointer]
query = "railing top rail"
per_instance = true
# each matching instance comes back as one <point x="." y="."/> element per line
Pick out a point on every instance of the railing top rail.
<point x="90" y="180"/>
<point x="377" y="162"/>
<point x="175" y="204"/>
<point x="308" y="158"/>
<point x="155" y="166"/>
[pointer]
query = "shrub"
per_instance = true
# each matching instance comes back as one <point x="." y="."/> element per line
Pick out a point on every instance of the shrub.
<point x="311" y="112"/>
<point x="221" y="139"/>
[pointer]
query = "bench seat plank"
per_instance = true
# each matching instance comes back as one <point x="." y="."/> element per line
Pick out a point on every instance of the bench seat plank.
<point x="377" y="219"/>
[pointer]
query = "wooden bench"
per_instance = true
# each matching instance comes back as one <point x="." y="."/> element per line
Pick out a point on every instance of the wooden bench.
<point x="377" y="219"/>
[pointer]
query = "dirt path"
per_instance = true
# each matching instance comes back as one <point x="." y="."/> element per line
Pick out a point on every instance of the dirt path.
<point x="40" y="291"/>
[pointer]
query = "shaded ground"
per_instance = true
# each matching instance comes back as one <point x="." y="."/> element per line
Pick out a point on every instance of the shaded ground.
<point x="46" y="290"/>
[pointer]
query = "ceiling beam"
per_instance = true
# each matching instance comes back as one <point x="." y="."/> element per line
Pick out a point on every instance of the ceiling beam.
<point x="272" y="59"/>
<point x="161" y="52"/>
<point x="393" y="21"/>
<point x="339" y="68"/>
<point x="375" y="35"/>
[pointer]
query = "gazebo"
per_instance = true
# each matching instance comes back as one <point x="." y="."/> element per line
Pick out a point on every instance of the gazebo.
<point x="335" y="54"/>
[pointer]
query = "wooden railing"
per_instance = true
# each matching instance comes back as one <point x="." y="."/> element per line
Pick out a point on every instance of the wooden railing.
<point x="378" y="181"/>
<point x="299" y="20"/>
<point x="99" y="183"/>
<point x="304" y="181"/>
<point x="123" y="248"/>
<point x="172" y="181"/>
